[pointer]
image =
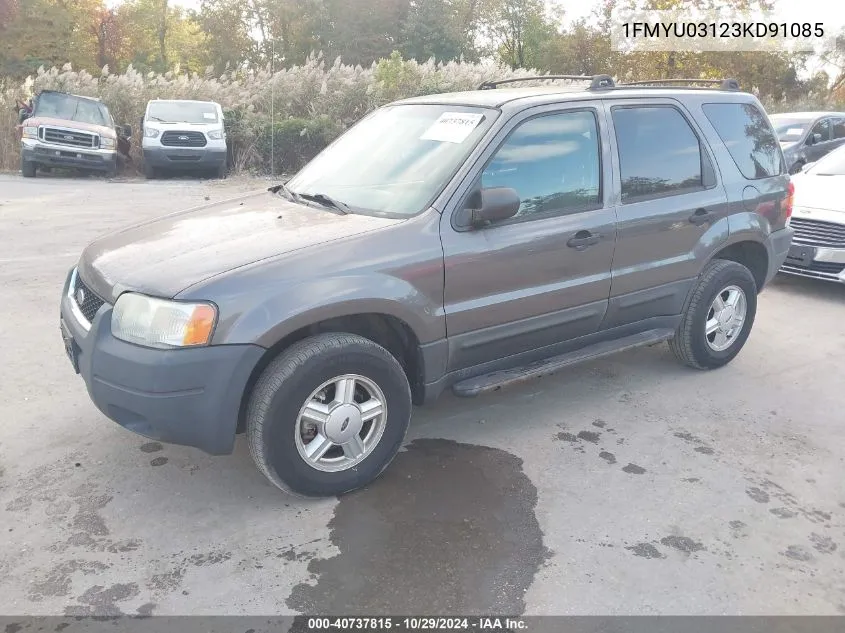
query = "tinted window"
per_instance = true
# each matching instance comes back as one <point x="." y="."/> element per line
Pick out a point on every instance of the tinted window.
<point x="838" y="128"/>
<point x="552" y="162"/>
<point x="822" y="128"/>
<point x="749" y="138"/>
<point x="659" y="153"/>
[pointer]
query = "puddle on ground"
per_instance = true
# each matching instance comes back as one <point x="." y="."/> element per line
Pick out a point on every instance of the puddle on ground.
<point x="449" y="528"/>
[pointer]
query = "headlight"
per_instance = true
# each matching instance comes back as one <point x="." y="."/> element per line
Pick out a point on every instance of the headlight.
<point x="30" y="131"/>
<point x="106" y="143"/>
<point x="150" y="132"/>
<point x="215" y="134"/>
<point x="160" y="323"/>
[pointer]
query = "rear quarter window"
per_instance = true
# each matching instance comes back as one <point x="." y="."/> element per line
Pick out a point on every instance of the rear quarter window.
<point x="749" y="138"/>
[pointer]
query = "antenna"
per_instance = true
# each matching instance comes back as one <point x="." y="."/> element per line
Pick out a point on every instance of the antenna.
<point x="273" y="110"/>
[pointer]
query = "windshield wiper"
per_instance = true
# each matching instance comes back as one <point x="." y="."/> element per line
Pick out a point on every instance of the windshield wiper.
<point x="282" y="188"/>
<point x="327" y="201"/>
<point x="155" y="118"/>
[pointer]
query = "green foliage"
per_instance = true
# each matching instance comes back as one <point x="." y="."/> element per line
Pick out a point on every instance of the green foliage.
<point x="292" y="142"/>
<point x="436" y="29"/>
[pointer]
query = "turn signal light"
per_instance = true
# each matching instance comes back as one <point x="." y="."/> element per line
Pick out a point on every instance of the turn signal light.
<point x="199" y="326"/>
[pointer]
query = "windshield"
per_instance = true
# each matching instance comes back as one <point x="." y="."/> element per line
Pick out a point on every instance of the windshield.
<point x="397" y="160"/>
<point x="70" y="108"/>
<point x="831" y="165"/>
<point x="182" y="112"/>
<point x="789" y="130"/>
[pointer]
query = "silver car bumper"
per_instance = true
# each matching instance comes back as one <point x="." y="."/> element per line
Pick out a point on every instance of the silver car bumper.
<point x="816" y="262"/>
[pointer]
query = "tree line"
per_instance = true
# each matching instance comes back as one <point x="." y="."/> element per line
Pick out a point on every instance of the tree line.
<point x="227" y="35"/>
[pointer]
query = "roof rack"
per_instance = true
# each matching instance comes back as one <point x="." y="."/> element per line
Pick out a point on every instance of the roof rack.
<point x="597" y="82"/>
<point x="724" y="84"/>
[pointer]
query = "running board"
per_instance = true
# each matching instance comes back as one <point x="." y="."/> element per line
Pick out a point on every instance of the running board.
<point x="472" y="387"/>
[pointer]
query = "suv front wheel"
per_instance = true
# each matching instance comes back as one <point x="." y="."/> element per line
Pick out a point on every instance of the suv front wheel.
<point x="719" y="317"/>
<point x="28" y="168"/>
<point x="328" y="415"/>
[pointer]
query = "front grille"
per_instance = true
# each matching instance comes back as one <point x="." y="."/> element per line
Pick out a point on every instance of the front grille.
<point x="90" y="304"/>
<point x="818" y="233"/>
<point x="173" y="138"/>
<point x="70" y="138"/>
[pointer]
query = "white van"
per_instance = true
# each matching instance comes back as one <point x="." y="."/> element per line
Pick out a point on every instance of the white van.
<point x="183" y="135"/>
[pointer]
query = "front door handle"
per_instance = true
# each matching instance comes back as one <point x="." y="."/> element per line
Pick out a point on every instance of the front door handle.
<point x="701" y="216"/>
<point x="582" y="240"/>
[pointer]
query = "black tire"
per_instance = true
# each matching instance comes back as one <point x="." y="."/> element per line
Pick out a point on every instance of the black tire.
<point x="222" y="171"/>
<point x="28" y="168"/>
<point x="149" y="172"/>
<point x="690" y="344"/>
<point x="285" y="386"/>
<point x="111" y="171"/>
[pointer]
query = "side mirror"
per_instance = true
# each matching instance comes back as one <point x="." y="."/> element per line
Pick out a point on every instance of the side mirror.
<point x="127" y="131"/>
<point x="23" y="115"/>
<point x="493" y="205"/>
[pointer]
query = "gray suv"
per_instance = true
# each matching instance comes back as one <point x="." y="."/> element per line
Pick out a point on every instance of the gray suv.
<point x="461" y="241"/>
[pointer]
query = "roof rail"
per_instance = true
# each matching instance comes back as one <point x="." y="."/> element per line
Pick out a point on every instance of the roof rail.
<point x="597" y="82"/>
<point x="724" y="84"/>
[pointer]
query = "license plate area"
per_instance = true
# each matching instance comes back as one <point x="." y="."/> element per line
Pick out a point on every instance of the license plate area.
<point x="800" y="255"/>
<point x="71" y="348"/>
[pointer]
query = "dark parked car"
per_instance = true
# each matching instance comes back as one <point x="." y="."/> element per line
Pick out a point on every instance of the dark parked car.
<point x="807" y="136"/>
<point x="490" y="237"/>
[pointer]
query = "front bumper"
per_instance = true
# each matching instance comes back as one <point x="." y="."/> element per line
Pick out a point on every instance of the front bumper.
<point x="190" y="397"/>
<point x="42" y="153"/>
<point x="185" y="157"/>
<point x="816" y="262"/>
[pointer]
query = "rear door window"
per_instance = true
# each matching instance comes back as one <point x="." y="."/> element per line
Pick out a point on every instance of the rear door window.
<point x="838" y="129"/>
<point x="659" y="153"/>
<point x="749" y="137"/>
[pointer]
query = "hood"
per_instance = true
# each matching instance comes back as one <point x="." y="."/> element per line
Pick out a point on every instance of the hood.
<point x="820" y="192"/>
<point x="167" y="255"/>
<point x="102" y="130"/>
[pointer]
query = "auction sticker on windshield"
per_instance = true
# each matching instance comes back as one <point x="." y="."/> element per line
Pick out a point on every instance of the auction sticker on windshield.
<point x="452" y="127"/>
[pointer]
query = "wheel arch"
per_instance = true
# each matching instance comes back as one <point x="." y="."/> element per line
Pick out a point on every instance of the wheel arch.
<point x="385" y="328"/>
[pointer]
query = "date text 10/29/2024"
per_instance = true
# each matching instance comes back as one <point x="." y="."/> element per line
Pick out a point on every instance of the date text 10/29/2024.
<point x="422" y="623"/>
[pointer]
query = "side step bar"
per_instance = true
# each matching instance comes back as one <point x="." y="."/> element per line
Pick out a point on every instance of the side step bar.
<point x="472" y="387"/>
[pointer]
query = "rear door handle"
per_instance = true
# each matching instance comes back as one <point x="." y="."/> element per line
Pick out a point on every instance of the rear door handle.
<point x="582" y="240"/>
<point x="701" y="216"/>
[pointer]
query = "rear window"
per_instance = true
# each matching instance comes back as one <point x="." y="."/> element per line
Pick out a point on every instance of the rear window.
<point x="749" y="137"/>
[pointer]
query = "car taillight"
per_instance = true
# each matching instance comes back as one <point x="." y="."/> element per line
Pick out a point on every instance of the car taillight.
<point x="790" y="198"/>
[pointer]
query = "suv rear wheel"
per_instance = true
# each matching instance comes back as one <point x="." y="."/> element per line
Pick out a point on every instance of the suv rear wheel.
<point x="719" y="317"/>
<point x="328" y="415"/>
